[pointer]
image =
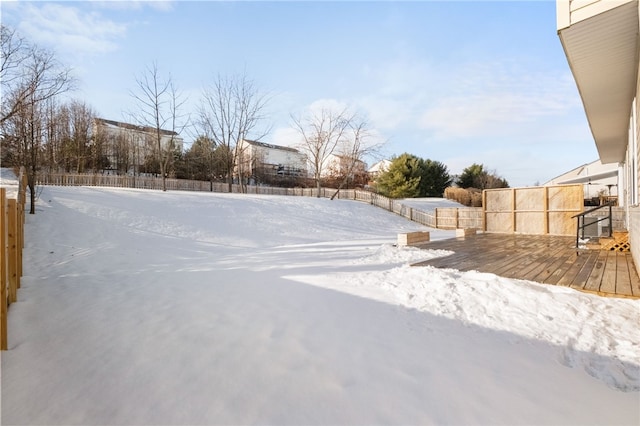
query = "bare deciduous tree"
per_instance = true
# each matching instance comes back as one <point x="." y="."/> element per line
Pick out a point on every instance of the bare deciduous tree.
<point x="159" y="104"/>
<point x="81" y="121"/>
<point x="230" y="111"/>
<point x="29" y="76"/>
<point x="321" y="133"/>
<point x="356" y="145"/>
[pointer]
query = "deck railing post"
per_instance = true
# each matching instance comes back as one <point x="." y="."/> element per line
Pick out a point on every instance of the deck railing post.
<point x="610" y="221"/>
<point x="578" y="231"/>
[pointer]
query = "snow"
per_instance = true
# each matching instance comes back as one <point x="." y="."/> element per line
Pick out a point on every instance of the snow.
<point x="430" y="204"/>
<point x="9" y="181"/>
<point x="143" y="307"/>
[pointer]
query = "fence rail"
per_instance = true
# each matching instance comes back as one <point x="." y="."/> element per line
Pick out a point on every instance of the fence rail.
<point x="442" y="218"/>
<point x="11" y="246"/>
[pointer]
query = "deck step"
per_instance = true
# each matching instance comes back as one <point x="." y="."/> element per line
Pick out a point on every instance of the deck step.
<point x="619" y="241"/>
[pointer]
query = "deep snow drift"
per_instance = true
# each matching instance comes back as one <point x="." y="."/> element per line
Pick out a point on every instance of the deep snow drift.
<point x="143" y="307"/>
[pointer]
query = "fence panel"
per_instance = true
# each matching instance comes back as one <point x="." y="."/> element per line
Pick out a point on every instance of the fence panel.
<point x="11" y="245"/>
<point x="470" y="218"/>
<point x="424" y="218"/>
<point x="4" y="265"/>
<point x="533" y="210"/>
<point x="12" y="254"/>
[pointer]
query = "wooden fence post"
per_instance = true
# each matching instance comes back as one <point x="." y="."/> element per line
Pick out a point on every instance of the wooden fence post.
<point x="13" y="250"/>
<point x="4" y="273"/>
<point x="513" y="210"/>
<point x="546" y="210"/>
<point x="19" y="238"/>
<point x="484" y="210"/>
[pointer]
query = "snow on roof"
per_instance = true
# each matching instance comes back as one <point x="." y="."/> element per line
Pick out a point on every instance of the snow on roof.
<point x="129" y="126"/>
<point x="380" y="166"/>
<point x="270" y="146"/>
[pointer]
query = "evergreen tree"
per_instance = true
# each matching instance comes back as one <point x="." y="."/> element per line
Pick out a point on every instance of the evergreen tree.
<point x="435" y="178"/>
<point x="402" y="178"/>
<point x="470" y="176"/>
<point x="475" y="176"/>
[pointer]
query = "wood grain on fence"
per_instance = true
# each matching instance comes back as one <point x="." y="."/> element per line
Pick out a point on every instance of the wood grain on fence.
<point x="12" y="241"/>
<point x="542" y="210"/>
<point x="11" y="245"/>
<point x="4" y="264"/>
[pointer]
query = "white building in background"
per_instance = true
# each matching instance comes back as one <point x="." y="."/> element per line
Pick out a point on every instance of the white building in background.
<point x="378" y="168"/>
<point x="338" y="165"/>
<point x="126" y="145"/>
<point x="601" y="40"/>
<point x="600" y="180"/>
<point x="259" y="159"/>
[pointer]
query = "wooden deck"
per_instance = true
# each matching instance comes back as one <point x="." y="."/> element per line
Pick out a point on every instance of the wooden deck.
<point x="541" y="258"/>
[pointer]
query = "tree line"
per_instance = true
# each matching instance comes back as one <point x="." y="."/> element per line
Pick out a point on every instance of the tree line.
<point x="45" y="131"/>
<point x="409" y="176"/>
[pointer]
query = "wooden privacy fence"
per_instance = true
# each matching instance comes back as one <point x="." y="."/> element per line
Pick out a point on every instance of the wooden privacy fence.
<point x="11" y="245"/>
<point x="540" y="210"/>
<point x="442" y="218"/>
<point x="531" y="210"/>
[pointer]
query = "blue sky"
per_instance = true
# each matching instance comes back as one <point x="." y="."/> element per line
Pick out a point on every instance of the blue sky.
<point x="457" y="82"/>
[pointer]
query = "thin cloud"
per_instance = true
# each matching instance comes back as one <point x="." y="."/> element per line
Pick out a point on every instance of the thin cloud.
<point x="397" y="92"/>
<point x="286" y="136"/>
<point x="495" y="100"/>
<point x="161" y="5"/>
<point x="479" y="100"/>
<point x="71" y="28"/>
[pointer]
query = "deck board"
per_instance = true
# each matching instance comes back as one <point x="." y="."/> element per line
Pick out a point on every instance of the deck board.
<point x="595" y="279"/>
<point x="623" y="279"/>
<point x="544" y="267"/>
<point x="580" y="280"/>
<point x="608" y="284"/>
<point x="544" y="259"/>
<point x="573" y="270"/>
<point x="633" y="276"/>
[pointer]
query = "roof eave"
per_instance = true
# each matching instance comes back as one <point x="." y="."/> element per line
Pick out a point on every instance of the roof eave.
<point x="602" y="52"/>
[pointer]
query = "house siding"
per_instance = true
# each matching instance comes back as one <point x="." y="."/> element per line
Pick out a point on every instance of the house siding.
<point x="573" y="11"/>
<point x="634" y="135"/>
<point x="603" y="52"/>
<point x="139" y="141"/>
<point x="261" y="157"/>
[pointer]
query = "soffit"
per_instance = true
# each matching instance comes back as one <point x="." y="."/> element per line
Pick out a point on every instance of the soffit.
<point x="603" y="55"/>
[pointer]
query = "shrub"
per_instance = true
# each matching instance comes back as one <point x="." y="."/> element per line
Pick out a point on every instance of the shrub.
<point x="470" y="197"/>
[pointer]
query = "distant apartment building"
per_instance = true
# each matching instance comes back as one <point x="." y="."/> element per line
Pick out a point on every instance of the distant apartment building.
<point x="340" y="165"/>
<point x="378" y="168"/>
<point x="130" y="148"/>
<point x="262" y="161"/>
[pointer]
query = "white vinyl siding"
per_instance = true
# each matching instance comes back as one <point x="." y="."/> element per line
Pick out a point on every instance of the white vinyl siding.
<point x="570" y="12"/>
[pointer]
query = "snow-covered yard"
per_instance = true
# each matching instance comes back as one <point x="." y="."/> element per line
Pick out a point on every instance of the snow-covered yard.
<point x="146" y="308"/>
